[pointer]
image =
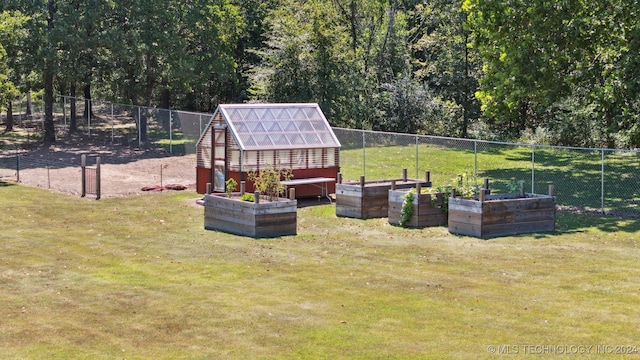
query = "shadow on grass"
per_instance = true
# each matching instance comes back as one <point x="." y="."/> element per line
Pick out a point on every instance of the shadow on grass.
<point x="313" y="201"/>
<point x="5" y="184"/>
<point x="579" y="179"/>
<point x="576" y="222"/>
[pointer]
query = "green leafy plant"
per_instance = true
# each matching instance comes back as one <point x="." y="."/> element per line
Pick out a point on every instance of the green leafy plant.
<point x="269" y="181"/>
<point x="230" y="186"/>
<point x="466" y="186"/>
<point x="514" y="186"/>
<point x="407" y="207"/>
<point x="247" y="197"/>
<point x="446" y="190"/>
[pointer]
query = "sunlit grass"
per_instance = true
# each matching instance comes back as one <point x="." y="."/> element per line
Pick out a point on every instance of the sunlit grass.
<point x="140" y="278"/>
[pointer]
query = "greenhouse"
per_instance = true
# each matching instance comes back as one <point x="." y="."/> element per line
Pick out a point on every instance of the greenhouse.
<point x="241" y="138"/>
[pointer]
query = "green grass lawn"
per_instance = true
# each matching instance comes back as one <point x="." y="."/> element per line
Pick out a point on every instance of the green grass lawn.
<point x="575" y="173"/>
<point x="139" y="278"/>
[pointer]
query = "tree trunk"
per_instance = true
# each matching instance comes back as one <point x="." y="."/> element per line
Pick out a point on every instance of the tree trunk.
<point x="165" y="103"/>
<point x="88" y="113"/>
<point x="73" y="123"/>
<point x="466" y="102"/>
<point x="49" y="130"/>
<point x="9" y="122"/>
<point x="29" y="110"/>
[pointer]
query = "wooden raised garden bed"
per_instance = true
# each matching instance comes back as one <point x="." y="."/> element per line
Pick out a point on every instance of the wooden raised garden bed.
<point x="502" y="214"/>
<point x="364" y="200"/>
<point x="255" y="219"/>
<point x="427" y="209"/>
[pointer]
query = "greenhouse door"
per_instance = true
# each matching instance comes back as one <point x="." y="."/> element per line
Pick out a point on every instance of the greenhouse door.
<point x="219" y="157"/>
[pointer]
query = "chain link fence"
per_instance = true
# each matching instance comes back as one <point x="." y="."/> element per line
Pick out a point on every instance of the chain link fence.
<point x="174" y="130"/>
<point x="39" y="172"/>
<point x="603" y="180"/>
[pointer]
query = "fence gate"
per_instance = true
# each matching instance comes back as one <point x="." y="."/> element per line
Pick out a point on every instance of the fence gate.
<point x="90" y="178"/>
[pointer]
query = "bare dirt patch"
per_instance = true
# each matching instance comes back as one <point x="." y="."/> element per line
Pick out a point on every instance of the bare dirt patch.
<point x="124" y="170"/>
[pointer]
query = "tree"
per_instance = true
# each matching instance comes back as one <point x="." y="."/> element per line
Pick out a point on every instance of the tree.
<point x="557" y="60"/>
<point x="307" y="58"/>
<point x="445" y="61"/>
<point x="12" y="32"/>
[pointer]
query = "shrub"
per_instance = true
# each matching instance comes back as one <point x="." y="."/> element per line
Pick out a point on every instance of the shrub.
<point x="269" y="181"/>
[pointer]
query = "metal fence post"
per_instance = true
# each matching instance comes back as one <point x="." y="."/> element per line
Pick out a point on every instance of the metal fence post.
<point x="475" y="158"/>
<point x="602" y="181"/>
<point x="364" y="154"/>
<point x="170" y="133"/>
<point x="417" y="162"/>
<point x="533" y="167"/>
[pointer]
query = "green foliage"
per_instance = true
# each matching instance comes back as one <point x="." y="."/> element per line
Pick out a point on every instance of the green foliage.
<point x="11" y="35"/>
<point x="561" y="73"/>
<point x="563" y="66"/>
<point x="514" y="186"/>
<point x="445" y="190"/>
<point x="466" y="185"/>
<point x="269" y="181"/>
<point x="247" y="197"/>
<point x="445" y="62"/>
<point x="230" y="185"/>
<point x="407" y="207"/>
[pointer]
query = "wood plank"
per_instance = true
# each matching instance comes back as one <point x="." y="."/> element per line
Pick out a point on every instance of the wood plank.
<point x="463" y="228"/>
<point x="465" y="217"/>
<point x="266" y="219"/>
<point x="494" y="230"/>
<point x="348" y="212"/>
<point x="348" y="201"/>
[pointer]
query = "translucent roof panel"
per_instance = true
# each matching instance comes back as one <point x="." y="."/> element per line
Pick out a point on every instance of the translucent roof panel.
<point x="278" y="126"/>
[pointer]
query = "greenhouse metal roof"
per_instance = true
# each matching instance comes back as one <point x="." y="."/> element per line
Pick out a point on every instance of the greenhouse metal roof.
<point x="278" y="126"/>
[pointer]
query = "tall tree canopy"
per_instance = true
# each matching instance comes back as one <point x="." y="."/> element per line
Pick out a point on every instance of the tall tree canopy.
<point x="454" y="68"/>
<point x="12" y="33"/>
<point x="560" y="65"/>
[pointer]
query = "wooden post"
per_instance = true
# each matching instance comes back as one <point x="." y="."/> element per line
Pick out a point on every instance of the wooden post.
<point x="361" y="181"/>
<point x="339" y="178"/>
<point x="486" y="183"/>
<point x="208" y="191"/>
<point x="453" y="192"/>
<point x="292" y="193"/>
<point x="522" y="188"/>
<point x="242" y="187"/>
<point x="83" y="165"/>
<point x="552" y="190"/>
<point x="404" y="175"/>
<point x="418" y="188"/>
<point x="98" y="178"/>
<point x="483" y="194"/>
<point x="393" y="184"/>
<point x="256" y="197"/>
<point x="428" y="175"/>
